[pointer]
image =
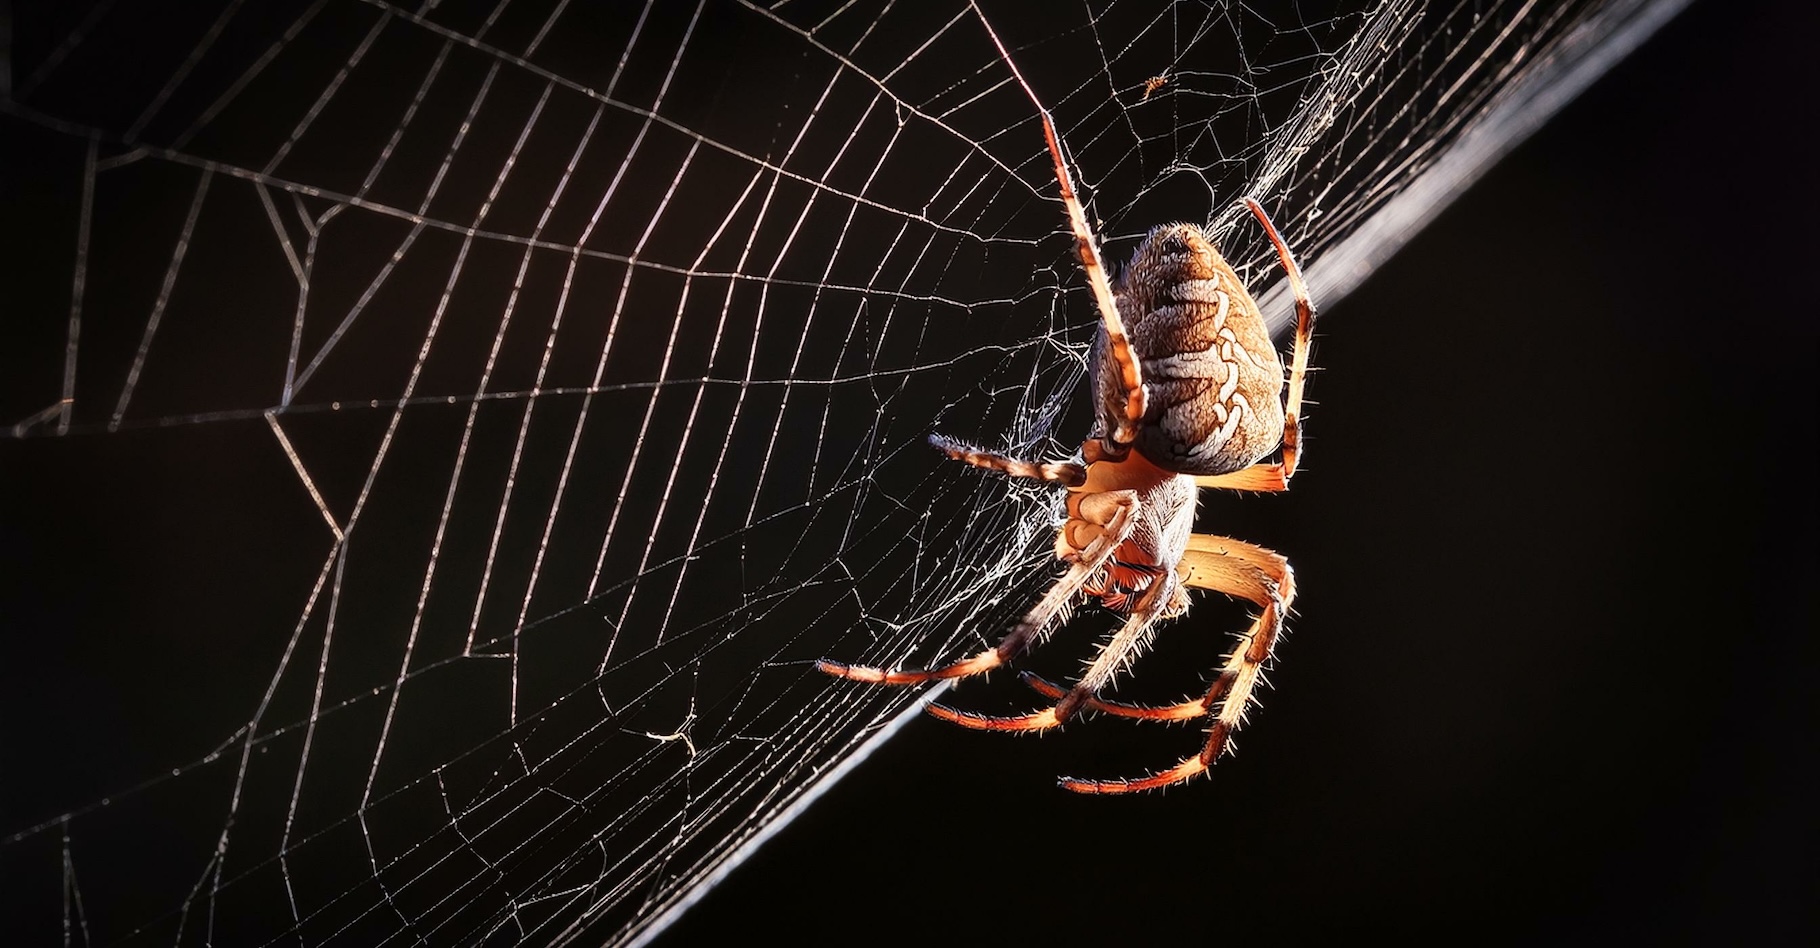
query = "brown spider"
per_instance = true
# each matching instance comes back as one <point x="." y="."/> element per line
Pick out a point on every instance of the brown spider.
<point x="1191" y="398"/>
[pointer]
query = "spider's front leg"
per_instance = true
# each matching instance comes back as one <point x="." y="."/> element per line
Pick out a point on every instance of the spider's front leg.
<point x="1112" y="514"/>
<point x="1066" y="473"/>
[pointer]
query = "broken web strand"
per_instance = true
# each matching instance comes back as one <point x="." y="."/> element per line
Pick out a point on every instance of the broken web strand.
<point x="544" y="673"/>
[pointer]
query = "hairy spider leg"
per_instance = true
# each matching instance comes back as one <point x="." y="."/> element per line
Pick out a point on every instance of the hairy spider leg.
<point x="1118" y="345"/>
<point x="1067" y="473"/>
<point x="1240" y="569"/>
<point x="1267" y="478"/>
<point x="1224" y="565"/>
<point x="1120" y="520"/>
<point x="1304" y="341"/>
<point x="1112" y="658"/>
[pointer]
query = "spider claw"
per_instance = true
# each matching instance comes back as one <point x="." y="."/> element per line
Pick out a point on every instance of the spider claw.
<point x="985" y="722"/>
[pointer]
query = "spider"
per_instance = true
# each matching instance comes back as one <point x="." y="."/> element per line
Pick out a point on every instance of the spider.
<point x="1191" y="397"/>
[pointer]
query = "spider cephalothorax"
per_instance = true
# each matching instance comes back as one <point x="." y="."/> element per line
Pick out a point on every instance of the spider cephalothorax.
<point x="1188" y="393"/>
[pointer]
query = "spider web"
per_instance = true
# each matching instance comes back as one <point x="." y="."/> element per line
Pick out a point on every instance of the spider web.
<point x="447" y="434"/>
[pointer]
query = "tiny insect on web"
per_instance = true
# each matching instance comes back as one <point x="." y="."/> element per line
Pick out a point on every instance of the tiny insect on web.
<point x="1190" y="396"/>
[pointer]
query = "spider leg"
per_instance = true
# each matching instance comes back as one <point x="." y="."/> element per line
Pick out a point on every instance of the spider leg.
<point x="1221" y="564"/>
<point x="1268" y="478"/>
<point x="1067" y="473"/>
<point x="1112" y="658"/>
<point x="1040" y="720"/>
<point x="1119" y="523"/>
<point x="1118" y="344"/>
<point x="1240" y="569"/>
<point x="1304" y="336"/>
<point x="1184" y="711"/>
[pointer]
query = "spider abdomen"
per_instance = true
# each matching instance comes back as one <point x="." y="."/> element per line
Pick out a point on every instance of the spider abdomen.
<point x="1212" y="376"/>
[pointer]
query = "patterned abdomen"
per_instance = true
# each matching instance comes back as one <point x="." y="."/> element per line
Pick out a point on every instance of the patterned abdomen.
<point x="1213" y="378"/>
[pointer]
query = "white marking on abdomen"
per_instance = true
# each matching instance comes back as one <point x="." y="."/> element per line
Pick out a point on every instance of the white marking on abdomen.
<point x="1232" y="372"/>
<point x="1196" y="291"/>
<point x="1183" y="365"/>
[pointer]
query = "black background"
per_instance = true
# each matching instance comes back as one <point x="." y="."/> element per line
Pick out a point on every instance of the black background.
<point x="1554" y="543"/>
<point x="1557" y="577"/>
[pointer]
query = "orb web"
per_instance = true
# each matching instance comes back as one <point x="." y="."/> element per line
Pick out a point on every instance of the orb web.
<point x="445" y="435"/>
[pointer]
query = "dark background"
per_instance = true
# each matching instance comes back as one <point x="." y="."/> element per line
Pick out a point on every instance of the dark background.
<point x="1556" y="568"/>
<point x="1554" y="543"/>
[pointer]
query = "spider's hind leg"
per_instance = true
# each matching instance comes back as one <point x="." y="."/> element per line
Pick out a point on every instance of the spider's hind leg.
<point x="1112" y="659"/>
<point x="1066" y="473"/>
<point x="1240" y="569"/>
